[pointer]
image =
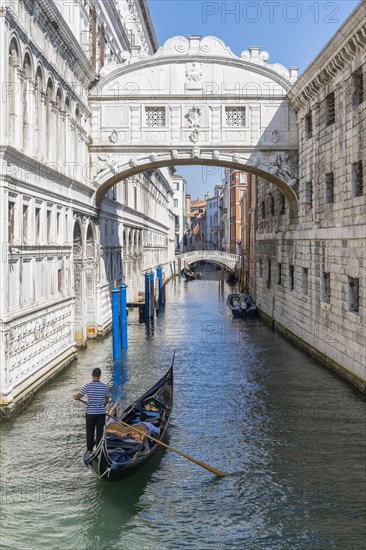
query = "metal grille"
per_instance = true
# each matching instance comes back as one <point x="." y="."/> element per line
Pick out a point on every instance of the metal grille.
<point x="235" y="116"/>
<point x="357" y="179"/>
<point x="329" y="188"/>
<point x="155" y="116"/>
<point x="330" y="104"/>
<point x="309" y="193"/>
<point x="309" y="126"/>
<point x="358" y="93"/>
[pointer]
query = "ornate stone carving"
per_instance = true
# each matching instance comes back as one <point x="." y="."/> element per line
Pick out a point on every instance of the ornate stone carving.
<point x="195" y="74"/>
<point x="132" y="163"/>
<point x="236" y="158"/>
<point x="253" y="161"/>
<point x="32" y="342"/>
<point x="194" y="117"/>
<point x="275" y="136"/>
<point x="174" y="153"/>
<point x="216" y="155"/>
<point x="194" y="136"/>
<point x="285" y="168"/>
<point x="110" y="162"/>
<point x="113" y="137"/>
<point x="153" y="157"/>
<point x="195" y="153"/>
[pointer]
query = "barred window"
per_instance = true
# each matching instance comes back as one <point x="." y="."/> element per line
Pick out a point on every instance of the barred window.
<point x="235" y="116"/>
<point x="357" y="80"/>
<point x="357" y="179"/>
<point x="155" y="117"/>
<point x="283" y="204"/>
<point x="292" y="277"/>
<point x="263" y="209"/>
<point x="279" y="273"/>
<point x="329" y="188"/>
<point x="330" y="109"/>
<point x="325" y="287"/>
<point x="260" y="267"/>
<point x="305" y="281"/>
<point x="309" y="125"/>
<point x="269" y="272"/>
<point x="353" y="294"/>
<point x="272" y="206"/>
<point x="309" y="194"/>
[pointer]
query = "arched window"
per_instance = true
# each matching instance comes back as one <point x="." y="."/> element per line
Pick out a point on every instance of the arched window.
<point x="77" y="242"/>
<point x="38" y="112"/>
<point x="49" y="129"/>
<point x="12" y="89"/>
<point x="78" y="121"/>
<point x="67" y="105"/>
<point x="90" y="248"/>
<point x="59" y="129"/>
<point x="26" y="115"/>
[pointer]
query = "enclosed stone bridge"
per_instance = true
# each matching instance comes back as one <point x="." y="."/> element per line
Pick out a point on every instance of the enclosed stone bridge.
<point x="216" y="257"/>
<point x="195" y="102"/>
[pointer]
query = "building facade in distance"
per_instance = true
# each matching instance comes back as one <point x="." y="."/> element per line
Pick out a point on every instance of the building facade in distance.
<point x="213" y="219"/>
<point x="180" y="212"/>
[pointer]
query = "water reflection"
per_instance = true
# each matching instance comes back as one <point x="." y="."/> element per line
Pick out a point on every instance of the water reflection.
<point x="288" y="430"/>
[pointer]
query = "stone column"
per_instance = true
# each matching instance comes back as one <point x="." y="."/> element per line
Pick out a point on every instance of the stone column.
<point x="62" y="153"/>
<point x="72" y="145"/>
<point x="53" y="132"/>
<point x="42" y="126"/>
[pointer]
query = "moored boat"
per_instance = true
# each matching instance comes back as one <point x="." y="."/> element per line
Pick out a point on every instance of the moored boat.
<point x="234" y="303"/>
<point x="122" y="451"/>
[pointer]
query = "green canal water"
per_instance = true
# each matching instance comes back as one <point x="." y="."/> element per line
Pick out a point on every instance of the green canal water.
<point x="289" y="431"/>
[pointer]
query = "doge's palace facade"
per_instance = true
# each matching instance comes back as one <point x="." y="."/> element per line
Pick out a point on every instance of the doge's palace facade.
<point x="60" y="251"/>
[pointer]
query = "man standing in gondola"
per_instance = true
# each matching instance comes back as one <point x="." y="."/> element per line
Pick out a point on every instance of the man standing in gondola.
<point x="98" y="397"/>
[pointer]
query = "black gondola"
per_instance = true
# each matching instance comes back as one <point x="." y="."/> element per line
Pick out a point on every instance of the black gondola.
<point x="120" y="452"/>
<point x="190" y="275"/>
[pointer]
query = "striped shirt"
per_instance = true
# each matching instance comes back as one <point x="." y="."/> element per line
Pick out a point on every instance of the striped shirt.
<point x="95" y="391"/>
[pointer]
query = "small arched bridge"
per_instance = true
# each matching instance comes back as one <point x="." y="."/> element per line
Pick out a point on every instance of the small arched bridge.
<point x="222" y="259"/>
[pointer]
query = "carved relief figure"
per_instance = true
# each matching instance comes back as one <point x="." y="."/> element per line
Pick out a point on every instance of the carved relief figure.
<point x="194" y="74"/>
<point x="194" y="117"/>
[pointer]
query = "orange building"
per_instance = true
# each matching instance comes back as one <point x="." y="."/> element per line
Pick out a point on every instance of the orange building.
<point x="198" y="223"/>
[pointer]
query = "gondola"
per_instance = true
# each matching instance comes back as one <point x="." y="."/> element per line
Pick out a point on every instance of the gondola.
<point x="121" y="451"/>
<point x="190" y="275"/>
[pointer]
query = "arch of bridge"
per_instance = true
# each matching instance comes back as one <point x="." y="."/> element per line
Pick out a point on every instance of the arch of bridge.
<point x="195" y="102"/>
<point x="223" y="259"/>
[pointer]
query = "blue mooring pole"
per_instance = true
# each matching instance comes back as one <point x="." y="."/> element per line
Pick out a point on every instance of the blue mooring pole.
<point x="159" y="274"/>
<point x="147" y="296"/>
<point x="152" y="294"/>
<point x="123" y="299"/>
<point x="115" y="324"/>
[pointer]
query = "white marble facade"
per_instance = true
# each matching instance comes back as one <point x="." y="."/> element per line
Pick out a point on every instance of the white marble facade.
<point x="61" y="250"/>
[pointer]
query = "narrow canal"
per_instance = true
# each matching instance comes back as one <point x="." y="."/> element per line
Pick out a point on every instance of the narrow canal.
<point x="291" y="433"/>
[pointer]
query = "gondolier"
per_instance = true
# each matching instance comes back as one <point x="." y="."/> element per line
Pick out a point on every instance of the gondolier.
<point x="98" y="397"/>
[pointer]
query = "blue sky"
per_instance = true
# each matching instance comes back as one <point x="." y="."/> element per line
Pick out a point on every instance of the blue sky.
<point x="292" y="32"/>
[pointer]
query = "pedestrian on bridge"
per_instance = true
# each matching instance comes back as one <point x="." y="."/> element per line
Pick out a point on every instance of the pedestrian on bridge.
<point x="98" y="397"/>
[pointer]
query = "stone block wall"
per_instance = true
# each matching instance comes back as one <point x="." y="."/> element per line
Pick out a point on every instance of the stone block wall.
<point x="311" y="278"/>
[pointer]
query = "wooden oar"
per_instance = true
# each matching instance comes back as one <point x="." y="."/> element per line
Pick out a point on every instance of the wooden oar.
<point x="181" y="453"/>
